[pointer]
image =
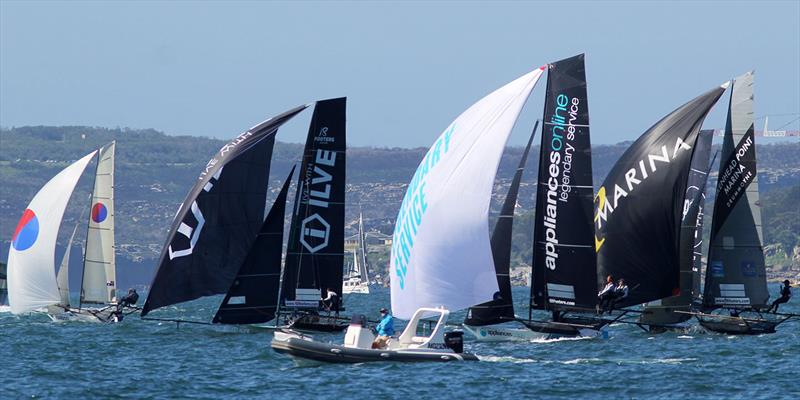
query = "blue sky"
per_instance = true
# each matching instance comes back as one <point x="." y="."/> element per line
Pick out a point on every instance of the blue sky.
<point x="408" y="69"/>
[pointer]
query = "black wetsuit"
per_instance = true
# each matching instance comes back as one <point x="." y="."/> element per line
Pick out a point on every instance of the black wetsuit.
<point x="130" y="299"/>
<point x="786" y="294"/>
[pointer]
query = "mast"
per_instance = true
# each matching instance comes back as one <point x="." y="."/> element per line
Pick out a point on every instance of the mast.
<point x="564" y="262"/>
<point x="501" y="308"/>
<point x="736" y="272"/>
<point x="218" y="221"/>
<point x="253" y="295"/>
<point x="315" y="251"/>
<point x="441" y="253"/>
<point x="640" y="205"/>
<point x="98" y="280"/>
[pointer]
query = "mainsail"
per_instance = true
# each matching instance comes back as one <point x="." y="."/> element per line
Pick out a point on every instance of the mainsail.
<point x="217" y="223"/>
<point x="98" y="284"/>
<point x="441" y="254"/>
<point x="564" y="261"/>
<point x="736" y="274"/>
<point x="640" y="205"/>
<point x="315" y="251"/>
<point x="31" y="258"/>
<point x="501" y="308"/>
<point x="362" y="248"/>
<point x="253" y="296"/>
<point x="691" y="239"/>
<point x="62" y="279"/>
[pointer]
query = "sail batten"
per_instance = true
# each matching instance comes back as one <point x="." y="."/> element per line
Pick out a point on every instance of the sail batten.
<point x="218" y="221"/>
<point x="441" y="253"/>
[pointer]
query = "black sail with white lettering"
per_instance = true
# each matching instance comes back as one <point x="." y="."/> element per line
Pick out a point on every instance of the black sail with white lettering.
<point x="253" y="296"/>
<point x="563" y="254"/>
<point x="218" y="221"/>
<point x="640" y="204"/>
<point x="691" y="238"/>
<point x="315" y="256"/>
<point x="501" y="308"/>
<point x="736" y="274"/>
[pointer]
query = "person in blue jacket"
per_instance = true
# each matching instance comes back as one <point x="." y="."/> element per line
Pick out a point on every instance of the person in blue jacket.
<point x="385" y="329"/>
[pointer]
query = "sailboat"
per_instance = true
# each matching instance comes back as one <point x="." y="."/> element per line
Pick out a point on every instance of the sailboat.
<point x="32" y="283"/>
<point x="441" y="256"/>
<point x="736" y="274"/>
<point x="98" y="280"/>
<point x="356" y="281"/>
<point x="639" y="207"/>
<point x="217" y="225"/>
<point x="3" y="289"/>
<point x="315" y="250"/>
<point x="659" y="315"/>
<point x="483" y="319"/>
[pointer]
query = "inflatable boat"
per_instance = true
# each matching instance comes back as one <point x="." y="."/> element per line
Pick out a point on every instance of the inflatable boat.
<point x="357" y="347"/>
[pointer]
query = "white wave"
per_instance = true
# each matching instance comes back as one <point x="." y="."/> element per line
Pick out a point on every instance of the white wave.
<point x="685" y="337"/>
<point x="561" y="339"/>
<point x="582" y="361"/>
<point x="5" y="309"/>
<point x="507" y="359"/>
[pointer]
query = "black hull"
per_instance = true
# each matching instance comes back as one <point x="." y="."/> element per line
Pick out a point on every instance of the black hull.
<point x="568" y="328"/>
<point x="332" y="353"/>
<point x="320" y="325"/>
<point x="737" y="326"/>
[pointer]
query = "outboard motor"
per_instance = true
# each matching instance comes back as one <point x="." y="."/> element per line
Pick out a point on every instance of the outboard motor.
<point x="454" y="341"/>
<point x="358" y="334"/>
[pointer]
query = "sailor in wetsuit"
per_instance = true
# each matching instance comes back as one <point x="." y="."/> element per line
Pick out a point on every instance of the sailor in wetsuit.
<point x="385" y="329"/>
<point x="129" y="299"/>
<point x="606" y="296"/>
<point x="331" y="303"/>
<point x="620" y="292"/>
<point x="786" y="294"/>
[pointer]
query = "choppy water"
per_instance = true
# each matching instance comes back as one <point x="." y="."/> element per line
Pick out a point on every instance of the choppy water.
<point x="144" y="359"/>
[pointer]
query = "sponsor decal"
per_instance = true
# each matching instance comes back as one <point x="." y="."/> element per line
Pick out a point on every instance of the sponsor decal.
<point x="316" y="193"/>
<point x="562" y="302"/>
<point x="414" y="206"/>
<point x="717" y="269"/>
<point x="495" y="332"/>
<point x="735" y="176"/>
<point x="437" y="346"/>
<point x="189" y="230"/>
<point x="322" y="136"/>
<point x="732" y="300"/>
<point x="634" y="177"/>
<point x="26" y="232"/>
<point x="99" y="212"/>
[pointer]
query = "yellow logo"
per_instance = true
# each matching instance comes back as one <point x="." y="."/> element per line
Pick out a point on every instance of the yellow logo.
<point x="601" y="202"/>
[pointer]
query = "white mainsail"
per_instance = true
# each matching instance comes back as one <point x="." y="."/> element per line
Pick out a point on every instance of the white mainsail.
<point x="441" y="255"/>
<point x="31" y="266"/>
<point x="362" y="244"/>
<point x="99" y="267"/>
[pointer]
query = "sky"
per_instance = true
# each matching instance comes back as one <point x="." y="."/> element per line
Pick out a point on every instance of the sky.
<point x="408" y="69"/>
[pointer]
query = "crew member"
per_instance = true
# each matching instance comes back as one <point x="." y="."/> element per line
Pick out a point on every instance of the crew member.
<point x="786" y="294"/>
<point x="385" y="329"/>
<point x="606" y="296"/>
<point x="129" y="299"/>
<point x="620" y="292"/>
<point x="331" y="303"/>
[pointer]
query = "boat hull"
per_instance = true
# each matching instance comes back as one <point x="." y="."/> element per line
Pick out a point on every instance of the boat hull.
<point x="304" y="350"/>
<point x="493" y="333"/>
<point x="738" y="326"/>
<point x="577" y="328"/>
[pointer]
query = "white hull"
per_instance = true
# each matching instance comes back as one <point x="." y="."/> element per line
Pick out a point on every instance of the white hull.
<point x="358" y="289"/>
<point x="503" y="334"/>
<point x="97" y="315"/>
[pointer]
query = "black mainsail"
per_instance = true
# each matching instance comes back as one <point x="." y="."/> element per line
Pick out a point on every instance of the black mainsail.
<point x="736" y="275"/>
<point x="501" y="308"/>
<point x="661" y="312"/>
<point x="253" y="296"/>
<point x="218" y="221"/>
<point x="564" y="265"/>
<point x="315" y="252"/>
<point x="640" y="204"/>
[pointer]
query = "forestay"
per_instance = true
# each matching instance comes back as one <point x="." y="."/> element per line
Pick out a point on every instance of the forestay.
<point x="441" y="255"/>
<point x="31" y="258"/>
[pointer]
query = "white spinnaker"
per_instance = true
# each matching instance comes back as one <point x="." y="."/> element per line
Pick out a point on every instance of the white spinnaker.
<point x="99" y="264"/>
<point x="441" y="255"/>
<point x="62" y="279"/>
<point x="31" y="271"/>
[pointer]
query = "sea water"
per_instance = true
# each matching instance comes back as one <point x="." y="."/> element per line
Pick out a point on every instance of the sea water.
<point x="147" y="359"/>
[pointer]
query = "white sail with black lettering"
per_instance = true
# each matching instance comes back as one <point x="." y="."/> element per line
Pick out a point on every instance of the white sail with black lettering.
<point x="441" y="253"/>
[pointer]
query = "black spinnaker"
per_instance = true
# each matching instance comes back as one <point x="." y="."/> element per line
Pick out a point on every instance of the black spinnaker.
<point x="564" y="266"/>
<point x="218" y="221"/>
<point x="736" y="273"/>
<point x="501" y="308"/>
<point x="314" y="257"/>
<point x="640" y="204"/>
<point x="253" y="296"/>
